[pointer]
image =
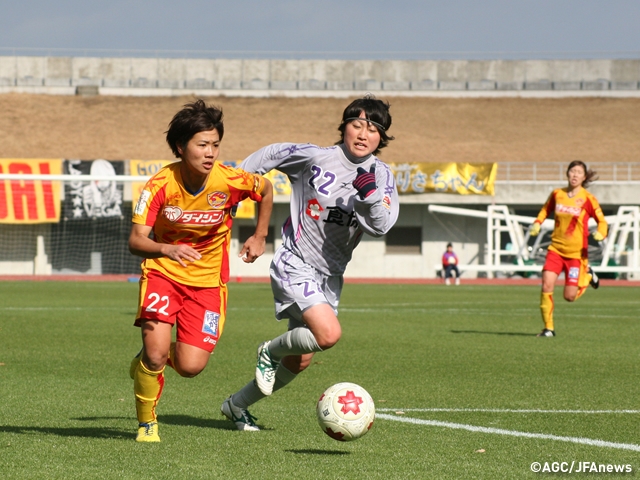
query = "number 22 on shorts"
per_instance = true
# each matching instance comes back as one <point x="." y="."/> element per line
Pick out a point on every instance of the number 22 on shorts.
<point x="158" y="304"/>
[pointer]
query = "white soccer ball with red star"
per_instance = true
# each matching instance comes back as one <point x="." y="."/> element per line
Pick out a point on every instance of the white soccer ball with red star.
<point x="345" y="411"/>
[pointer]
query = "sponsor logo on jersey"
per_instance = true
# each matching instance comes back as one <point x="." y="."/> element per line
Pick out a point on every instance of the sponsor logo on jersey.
<point x="172" y="213"/>
<point x="210" y="340"/>
<point x="210" y="323"/>
<point x="575" y="211"/>
<point x="173" y="197"/>
<point x="142" y="202"/>
<point x="314" y="209"/>
<point x="574" y="272"/>
<point x="386" y="202"/>
<point x="217" y="199"/>
<point x="196" y="217"/>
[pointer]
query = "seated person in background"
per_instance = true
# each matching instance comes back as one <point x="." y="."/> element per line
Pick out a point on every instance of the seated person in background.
<point x="450" y="264"/>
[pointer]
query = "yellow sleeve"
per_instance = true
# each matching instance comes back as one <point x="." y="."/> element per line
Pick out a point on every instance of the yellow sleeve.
<point x="603" y="227"/>
<point x="546" y="208"/>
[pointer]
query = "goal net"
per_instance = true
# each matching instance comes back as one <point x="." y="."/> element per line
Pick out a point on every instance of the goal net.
<point x="66" y="217"/>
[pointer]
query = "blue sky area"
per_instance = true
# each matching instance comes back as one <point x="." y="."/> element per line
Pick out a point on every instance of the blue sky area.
<point x="384" y="29"/>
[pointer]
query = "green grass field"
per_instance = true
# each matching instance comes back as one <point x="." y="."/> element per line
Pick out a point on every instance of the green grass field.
<point x="449" y="358"/>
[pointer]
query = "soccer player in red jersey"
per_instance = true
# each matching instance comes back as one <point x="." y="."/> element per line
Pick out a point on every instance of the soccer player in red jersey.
<point x="450" y="265"/>
<point x="572" y="208"/>
<point x="187" y="206"/>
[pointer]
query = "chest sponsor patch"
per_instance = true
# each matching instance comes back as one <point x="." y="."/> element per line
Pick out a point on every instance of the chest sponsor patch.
<point x="314" y="209"/>
<point x="575" y="211"/>
<point x="210" y="323"/>
<point x="574" y="272"/>
<point x="195" y="217"/>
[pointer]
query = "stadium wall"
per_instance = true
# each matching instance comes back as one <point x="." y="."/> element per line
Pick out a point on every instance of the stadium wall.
<point x="172" y="76"/>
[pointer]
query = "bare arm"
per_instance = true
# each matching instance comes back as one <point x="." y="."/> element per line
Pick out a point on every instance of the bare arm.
<point x="255" y="245"/>
<point x="141" y="245"/>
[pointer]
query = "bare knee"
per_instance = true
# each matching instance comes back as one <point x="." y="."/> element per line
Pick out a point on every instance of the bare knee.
<point x="188" y="369"/>
<point x="327" y="337"/>
<point x="570" y="297"/>
<point x="154" y="361"/>
<point x="324" y="325"/>
<point x="327" y="342"/>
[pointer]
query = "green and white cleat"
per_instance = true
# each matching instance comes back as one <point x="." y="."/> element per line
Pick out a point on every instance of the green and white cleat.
<point x="266" y="369"/>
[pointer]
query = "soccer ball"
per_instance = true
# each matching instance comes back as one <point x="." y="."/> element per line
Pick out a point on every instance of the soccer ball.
<point x="345" y="411"/>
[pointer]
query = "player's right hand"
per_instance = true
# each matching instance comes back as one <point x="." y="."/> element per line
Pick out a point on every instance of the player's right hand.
<point x="535" y="229"/>
<point x="182" y="253"/>
<point x="365" y="182"/>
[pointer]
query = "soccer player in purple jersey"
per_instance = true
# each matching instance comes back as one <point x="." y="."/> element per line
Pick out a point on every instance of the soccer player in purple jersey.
<point x="337" y="194"/>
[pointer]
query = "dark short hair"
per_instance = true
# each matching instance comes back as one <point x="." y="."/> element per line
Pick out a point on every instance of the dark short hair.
<point x="449" y="245"/>
<point x="193" y="118"/>
<point x="590" y="175"/>
<point x="375" y="110"/>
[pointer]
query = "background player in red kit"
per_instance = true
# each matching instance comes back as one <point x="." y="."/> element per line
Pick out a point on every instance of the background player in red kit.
<point x="450" y="265"/>
<point x="187" y="206"/>
<point x="572" y="207"/>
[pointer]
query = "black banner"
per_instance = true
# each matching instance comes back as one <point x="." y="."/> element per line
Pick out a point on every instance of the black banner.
<point x="95" y="198"/>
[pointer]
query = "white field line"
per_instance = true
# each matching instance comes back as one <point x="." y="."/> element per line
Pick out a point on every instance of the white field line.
<point x="500" y="410"/>
<point x="512" y="433"/>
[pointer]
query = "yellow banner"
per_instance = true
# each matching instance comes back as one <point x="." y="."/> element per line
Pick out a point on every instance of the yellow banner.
<point x="280" y="182"/>
<point x="143" y="168"/>
<point x="460" y="178"/>
<point x="30" y="201"/>
<point x="444" y="177"/>
<point x="246" y="209"/>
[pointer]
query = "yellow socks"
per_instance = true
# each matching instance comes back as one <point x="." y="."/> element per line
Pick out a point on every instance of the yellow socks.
<point x="147" y="386"/>
<point x="546" y="309"/>
<point x="581" y="291"/>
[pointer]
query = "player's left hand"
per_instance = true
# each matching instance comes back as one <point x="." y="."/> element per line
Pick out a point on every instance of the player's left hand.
<point x="365" y="182"/>
<point x="597" y="236"/>
<point x="534" y="230"/>
<point x="252" y="249"/>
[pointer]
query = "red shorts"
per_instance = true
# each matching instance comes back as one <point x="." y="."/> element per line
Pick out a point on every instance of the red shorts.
<point x="570" y="266"/>
<point x="199" y="311"/>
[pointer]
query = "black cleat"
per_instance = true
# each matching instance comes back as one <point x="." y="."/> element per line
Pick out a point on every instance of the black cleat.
<point x="595" y="281"/>
<point x="546" y="333"/>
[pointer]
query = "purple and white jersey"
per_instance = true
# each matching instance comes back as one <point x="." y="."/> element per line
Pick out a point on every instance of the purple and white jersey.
<point x="328" y="217"/>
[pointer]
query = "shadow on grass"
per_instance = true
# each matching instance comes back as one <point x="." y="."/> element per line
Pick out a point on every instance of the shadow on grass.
<point x="314" y="451"/>
<point x="180" y="420"/>
<point x="91" y="432"/>
<point x="515" y="334"/>
<point x="189" y="421"/>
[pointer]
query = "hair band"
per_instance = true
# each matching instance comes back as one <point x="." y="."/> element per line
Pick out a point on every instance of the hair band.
<point x="366" y="120"/>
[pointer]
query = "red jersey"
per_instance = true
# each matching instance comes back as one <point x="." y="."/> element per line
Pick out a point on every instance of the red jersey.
<point x="571" y="232"/>
<point x="203" y="221"/>
<point x="449" y="258"/>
